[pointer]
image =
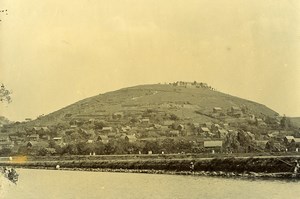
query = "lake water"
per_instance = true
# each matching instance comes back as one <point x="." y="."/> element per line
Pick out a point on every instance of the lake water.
<point x="49" y="184"/>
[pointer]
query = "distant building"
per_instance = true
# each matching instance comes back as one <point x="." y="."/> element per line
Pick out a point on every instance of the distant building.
<point x="40" y="129"/>
<point x="215" y="127"/>
<point x="103" y="138"/>
<point x="260" y="122"/>
<point x="296" y="141"/>
<point x="204" y="130"/>
<point x="42" y="144"/>
<point x="288" y="139"/>
<point x="58" y="140"/>
<point x="73" y="126"/>
<point x="250" y="135"/>
<point x="222" y="133"/>
<point x="215" y="145"/>
<point x="180" y="127"/>
<point x="130" y="138"/>
<point x="126" y="129"/>
<point x="107" y="129"/>
<point x="145" y="121"/>
<point x="217" y="109"/>
<point x="236" y="111"/>
<point x="45" y="129"/>
<point x="33" y="137"/>
<point x="45" y="137"/>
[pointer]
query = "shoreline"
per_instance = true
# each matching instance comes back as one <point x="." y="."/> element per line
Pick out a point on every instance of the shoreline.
<point x="244" y="175"/>
<point x="251" y="167"/>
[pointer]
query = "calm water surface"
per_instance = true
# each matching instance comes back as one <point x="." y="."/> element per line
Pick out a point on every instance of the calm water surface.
<point x="47" y="184"/>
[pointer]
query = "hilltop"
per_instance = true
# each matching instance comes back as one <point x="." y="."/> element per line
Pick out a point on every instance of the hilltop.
<point x="187" y="101"/>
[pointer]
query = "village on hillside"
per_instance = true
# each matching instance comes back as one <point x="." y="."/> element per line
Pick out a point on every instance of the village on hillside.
<point x="153" y="131"/>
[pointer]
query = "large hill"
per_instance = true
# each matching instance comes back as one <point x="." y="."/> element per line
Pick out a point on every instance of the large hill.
<point x="192" y="101"/>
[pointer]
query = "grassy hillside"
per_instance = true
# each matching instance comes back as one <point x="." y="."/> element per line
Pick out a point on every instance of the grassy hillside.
<point x="181" y="101"/>
<point x="295" y="121"/>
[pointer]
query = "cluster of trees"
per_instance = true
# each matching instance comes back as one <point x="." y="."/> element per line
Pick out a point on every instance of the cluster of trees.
<point x="5" y="94"/>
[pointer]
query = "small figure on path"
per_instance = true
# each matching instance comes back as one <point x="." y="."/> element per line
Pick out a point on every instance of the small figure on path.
<point x="192" y="167"/>
<point x="296" y="167"/>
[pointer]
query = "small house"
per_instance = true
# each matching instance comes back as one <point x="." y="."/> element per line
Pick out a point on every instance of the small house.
<point x="217" y="109"/>
<point x="107" y="129"/>
<point x="204" y="130"/>
<point x="73" y="126"/>
<point x="296" y="141"/>
<point x="250" y="135"/>
<point x="103" y="138"/>
<point x="222" y="133"/>
<point x="288" y="139"/>
<point x="42" y="144"/>
<point x="130" y="138"/>
<point x="215" y="127"/>
<point x="45" y="130"/>
<point x="90" y="141"/>
<point x="145" y="121"/>
<point x="58" y="140"/>
<point x="260" y="122"/>
<point x="45" y="137"/>
<point x="157" y="126"/>
<point x="126" y="129"/>
<point x="236" y="111"/>
<point x="180" y="127"/>
<point x="33" y="137"/>
<point x="215" y="145"/>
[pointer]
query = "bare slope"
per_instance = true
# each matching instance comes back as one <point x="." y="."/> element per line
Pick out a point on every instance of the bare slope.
<point x="181" y="101"/>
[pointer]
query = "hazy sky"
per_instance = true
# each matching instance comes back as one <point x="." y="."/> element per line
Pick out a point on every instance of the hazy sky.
<point x="54" y="53"/>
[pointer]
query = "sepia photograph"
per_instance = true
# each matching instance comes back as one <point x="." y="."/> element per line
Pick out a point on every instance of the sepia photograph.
<point x="148" y="99"/>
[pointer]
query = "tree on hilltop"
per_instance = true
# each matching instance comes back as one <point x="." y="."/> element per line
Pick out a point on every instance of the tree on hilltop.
<point x="5" y="95"/>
